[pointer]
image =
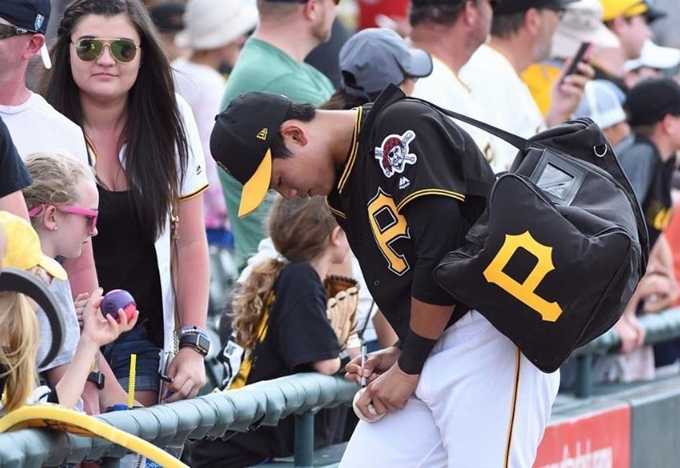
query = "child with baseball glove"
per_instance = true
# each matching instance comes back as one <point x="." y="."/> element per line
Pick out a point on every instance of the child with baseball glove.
<point x="285" y="320"/>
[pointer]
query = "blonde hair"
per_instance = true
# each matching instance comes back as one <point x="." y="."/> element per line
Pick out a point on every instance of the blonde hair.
<point x="19" y="346"/>
<point x="55" y="181"/>
<point x="300" y="229"/>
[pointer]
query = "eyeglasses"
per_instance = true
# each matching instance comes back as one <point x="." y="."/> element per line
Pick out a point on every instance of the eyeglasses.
<point x="91" y="215"/>
<point x="7" y="31"/>
<point x="90" y="49"/>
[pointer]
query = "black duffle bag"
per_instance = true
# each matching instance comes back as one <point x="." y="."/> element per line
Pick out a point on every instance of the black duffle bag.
<point x="561" y="247"/>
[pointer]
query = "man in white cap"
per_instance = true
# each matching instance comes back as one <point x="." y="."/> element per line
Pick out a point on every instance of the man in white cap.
<point x="581" y="22"/>
<point x="653" y="63"/>
<point x="214" y="33"/>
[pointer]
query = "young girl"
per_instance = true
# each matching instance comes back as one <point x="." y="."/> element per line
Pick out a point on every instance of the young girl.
<point x="63" y="206"/>
<point x="20" y="333"/>
<point x="279" y="319"/>
<point x="111" y="77"/>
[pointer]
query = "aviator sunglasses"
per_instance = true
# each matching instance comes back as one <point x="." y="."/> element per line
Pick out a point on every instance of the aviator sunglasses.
<point x="91" y="215"/>
<point x="122" y="50"/>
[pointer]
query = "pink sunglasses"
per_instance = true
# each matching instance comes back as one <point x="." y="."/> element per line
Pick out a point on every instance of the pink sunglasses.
<point x="89" y="214"/>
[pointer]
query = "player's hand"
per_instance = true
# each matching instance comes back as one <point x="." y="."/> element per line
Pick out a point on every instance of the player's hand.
<point x="375" y="365"/>
<point x="390" y="391"/>
<point x="187" y="372"/>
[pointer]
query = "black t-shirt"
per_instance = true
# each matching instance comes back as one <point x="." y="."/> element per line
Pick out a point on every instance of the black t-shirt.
<point x="640" y="157"/>
<point x="297" y="335"/>
<point x="13" y="173"/>
<point x="125" y="258"/>
<point x="401" y="199"/>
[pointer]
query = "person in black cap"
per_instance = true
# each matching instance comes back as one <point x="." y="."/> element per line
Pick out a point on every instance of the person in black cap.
<point x="394" y="173"/>
<point x="653" y="108"/>
<point x="168" y="19"/>
<point x="521" y="34"/>
<point x="436" y="24"/>
<point x="648" y="159"/>
<point x="27" y="17"/>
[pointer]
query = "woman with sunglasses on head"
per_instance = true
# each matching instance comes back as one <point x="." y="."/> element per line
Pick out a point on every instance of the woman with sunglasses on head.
<point x="63" y="206"/>
<point x="111" y="77"/>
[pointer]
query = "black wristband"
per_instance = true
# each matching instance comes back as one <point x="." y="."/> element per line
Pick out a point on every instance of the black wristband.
<point x="414" y="352"/>
<point x="398" y="344"/>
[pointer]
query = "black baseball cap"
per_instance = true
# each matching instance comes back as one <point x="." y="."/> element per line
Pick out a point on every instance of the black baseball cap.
<point x="27" y="14"/>
<point x="241" y="139"/>
<point x="651" y="100"/>
<point x="168" y="17"/>
<point x="510" y="7"/>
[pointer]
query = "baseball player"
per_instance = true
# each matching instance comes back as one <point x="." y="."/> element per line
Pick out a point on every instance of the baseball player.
<point x="453" y="391"/>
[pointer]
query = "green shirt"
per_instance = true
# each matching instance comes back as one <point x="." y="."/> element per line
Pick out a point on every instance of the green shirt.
<point x="263" y="67"/>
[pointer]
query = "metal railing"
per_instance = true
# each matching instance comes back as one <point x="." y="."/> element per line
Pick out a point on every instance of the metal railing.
<point x="660" y="327"/>
<point x="263" y="403"/>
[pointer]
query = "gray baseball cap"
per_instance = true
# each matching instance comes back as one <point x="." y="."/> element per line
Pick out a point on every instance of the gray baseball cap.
<point x="375" y="57"/>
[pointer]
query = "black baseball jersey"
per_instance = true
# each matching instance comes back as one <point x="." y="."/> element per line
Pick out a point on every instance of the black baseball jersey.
<point x="408" y="167"/>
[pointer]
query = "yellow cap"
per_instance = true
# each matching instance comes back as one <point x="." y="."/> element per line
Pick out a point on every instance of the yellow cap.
<point x="626" y="8"/>
<point x="23" y="247"/>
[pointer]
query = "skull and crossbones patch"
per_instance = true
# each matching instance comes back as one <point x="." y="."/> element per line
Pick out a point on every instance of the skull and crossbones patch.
<point x="393" y="153"/>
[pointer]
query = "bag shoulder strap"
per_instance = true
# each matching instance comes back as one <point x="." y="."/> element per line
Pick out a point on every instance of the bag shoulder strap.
<point x="392" y="94"/>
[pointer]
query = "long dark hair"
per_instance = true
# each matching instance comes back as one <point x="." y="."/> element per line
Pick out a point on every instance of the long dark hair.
<point x="154" y="131"/>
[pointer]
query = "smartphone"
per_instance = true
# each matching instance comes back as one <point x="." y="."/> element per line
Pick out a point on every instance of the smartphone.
<point x="579" y="57"/>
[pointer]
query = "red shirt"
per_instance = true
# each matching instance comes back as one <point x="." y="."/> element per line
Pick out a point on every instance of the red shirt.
<point x="369" y="9"/>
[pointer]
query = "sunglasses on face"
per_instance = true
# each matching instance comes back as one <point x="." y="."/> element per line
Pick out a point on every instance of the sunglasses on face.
<point x="7" y="31"/>
<point x="91" y="215"/>
<point x="90" y="49"/>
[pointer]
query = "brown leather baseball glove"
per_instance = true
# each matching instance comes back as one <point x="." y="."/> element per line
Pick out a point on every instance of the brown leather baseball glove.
<point x="343" y="299"/>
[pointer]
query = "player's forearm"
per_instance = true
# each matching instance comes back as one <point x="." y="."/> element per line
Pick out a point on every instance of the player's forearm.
<point x="427" y="324"/>
<point x="429" y="320"/>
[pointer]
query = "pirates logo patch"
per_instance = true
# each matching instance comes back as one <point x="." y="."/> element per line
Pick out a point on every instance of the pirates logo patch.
<point x="393" y="153"/>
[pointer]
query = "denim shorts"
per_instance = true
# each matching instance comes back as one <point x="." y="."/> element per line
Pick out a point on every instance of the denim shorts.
<point x="148" y="359"/>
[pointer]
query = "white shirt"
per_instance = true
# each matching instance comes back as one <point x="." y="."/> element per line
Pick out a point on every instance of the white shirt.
<point x="36" y="126"/>
<point x="202" y="87"/>
<point x="445" y="89"/>
<point x="500" y="91"/>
